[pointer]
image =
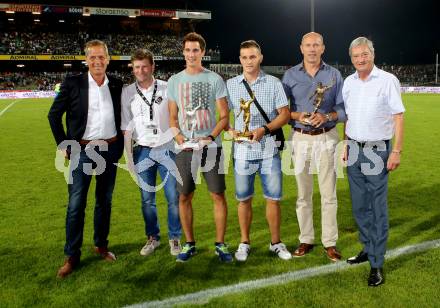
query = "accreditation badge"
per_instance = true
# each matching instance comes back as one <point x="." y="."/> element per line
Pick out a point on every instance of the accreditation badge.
<point x="151" y="132"/>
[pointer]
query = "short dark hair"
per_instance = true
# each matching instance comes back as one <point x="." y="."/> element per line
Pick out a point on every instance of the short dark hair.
<point x="142" y="54"/>
<point x="250" y="44"/>
<point x="194" y="37"/>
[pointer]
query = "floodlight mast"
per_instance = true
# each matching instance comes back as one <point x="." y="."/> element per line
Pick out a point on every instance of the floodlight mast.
<point x="312" y="15"/>
<point x="436" y="68"/>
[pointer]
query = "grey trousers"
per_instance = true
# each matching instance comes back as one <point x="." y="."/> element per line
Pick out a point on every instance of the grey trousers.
<point x="368" y="180"/>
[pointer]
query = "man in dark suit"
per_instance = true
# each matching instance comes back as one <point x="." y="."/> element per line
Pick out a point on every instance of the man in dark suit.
<point x="93" y="143"/>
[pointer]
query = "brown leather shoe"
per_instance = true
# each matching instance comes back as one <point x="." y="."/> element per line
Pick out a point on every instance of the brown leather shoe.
<point x="303" y="249"/>
<point x="105" y="254"/>
<point x="69" y="265"/>
<point x="333" y="254"/>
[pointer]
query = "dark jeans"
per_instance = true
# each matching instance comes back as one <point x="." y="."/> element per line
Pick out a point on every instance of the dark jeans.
<point x="105" y="175"/>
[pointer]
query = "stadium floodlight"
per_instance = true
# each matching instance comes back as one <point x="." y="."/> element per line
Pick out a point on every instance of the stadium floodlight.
<point x="10" y="12"/>
<point x="36" y="20"/>
<point x="61" y="20"/>
<point x="20" y="65"/>
<point x="10" y="19"/>
<point x="436" y="68"/>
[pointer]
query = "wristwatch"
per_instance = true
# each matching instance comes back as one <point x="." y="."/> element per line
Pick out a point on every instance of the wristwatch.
<point x="328" y="116"/>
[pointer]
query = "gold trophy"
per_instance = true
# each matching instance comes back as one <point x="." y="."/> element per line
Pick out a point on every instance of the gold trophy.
<point x="319" y="99"/>
<point x="245" y="106"/>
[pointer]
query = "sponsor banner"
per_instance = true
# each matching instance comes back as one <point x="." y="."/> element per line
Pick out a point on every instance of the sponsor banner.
<point x="193" y="15"/>
<point x="124" y="58"/>
<point x="55" y="9"/>
<point x="82" y="58"/>
<point x="62" y="9"/>
<point x="21" y="7"/>
<point x="17" y="94"/>
<point x="26" y="94"/>
<point x="111" y="11"/>
<point x="42" y="57"/>
<point x="435" y="90"/>
<point x="75" y="10"/>
<point x="158" y="13"/>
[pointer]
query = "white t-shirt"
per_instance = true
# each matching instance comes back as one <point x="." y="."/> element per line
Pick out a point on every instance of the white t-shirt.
<point x="371" y="104"/>
<point x="136" y="114"/>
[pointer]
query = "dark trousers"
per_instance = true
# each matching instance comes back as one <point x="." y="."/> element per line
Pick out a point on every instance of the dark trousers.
<point x="368" y="180"/>
<point x="81" y="175"/>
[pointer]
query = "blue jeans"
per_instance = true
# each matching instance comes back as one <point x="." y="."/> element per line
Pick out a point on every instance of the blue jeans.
<point x="148" y="162"/>
<point x="368" y="179"/>
<point x="270" y="173"/>
<point x="81" y="177"/>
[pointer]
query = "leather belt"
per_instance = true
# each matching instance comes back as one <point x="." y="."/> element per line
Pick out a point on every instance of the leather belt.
<point x="314" y="132"/>
<point x="372" y="143"/>
<point x="99" y="141"/>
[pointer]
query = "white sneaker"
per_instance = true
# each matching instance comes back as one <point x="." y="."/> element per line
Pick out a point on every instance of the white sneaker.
<point x="242" y="252"/>
<point x="150" y="246"/>
<point x="281" y="250"/>
<point x="175" y="247"/>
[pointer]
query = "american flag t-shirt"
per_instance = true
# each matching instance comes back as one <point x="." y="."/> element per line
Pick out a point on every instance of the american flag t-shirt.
<point x="194" y="95"/>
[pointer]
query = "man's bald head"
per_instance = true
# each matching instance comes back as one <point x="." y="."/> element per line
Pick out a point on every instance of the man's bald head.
<point x="312" y="35"/>
<point x="312" y="47"/>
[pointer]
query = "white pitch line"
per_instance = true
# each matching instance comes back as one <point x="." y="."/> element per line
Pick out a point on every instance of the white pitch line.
<point x="204" y="296"/>
<point x="7" y="107"/>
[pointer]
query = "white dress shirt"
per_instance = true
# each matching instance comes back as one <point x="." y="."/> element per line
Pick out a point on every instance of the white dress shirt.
<point x="136" y="114"/>
<point x="100" y="115"/>
<point x="370" y="105"/>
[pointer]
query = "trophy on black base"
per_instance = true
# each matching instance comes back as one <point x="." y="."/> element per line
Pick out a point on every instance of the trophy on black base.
<point x="319" y="99"/>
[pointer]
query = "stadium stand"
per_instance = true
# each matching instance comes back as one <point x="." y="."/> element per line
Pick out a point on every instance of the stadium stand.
<point x="57" y="43"/>
<point x="38" y="50"/>
<point x="25" y="35"/>
<point x="408" y="75"/>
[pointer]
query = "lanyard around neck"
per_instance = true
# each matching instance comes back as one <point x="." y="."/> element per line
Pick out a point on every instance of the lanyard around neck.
<point x="153" y="98"/>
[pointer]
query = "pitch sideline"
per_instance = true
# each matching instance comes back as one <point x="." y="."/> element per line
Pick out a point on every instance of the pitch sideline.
<point x="9" y="106"/>
<point x="204" y="296"/>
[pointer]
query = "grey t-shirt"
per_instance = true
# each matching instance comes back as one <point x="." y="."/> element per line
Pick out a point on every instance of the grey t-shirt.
<point x="197" y="92"/>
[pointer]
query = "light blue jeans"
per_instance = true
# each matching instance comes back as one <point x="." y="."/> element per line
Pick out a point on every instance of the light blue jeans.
<point x="148" y="162"/>
<point x="270" y="173"/>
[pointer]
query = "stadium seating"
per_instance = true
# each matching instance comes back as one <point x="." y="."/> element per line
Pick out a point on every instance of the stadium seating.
<point x="57" y="43"/>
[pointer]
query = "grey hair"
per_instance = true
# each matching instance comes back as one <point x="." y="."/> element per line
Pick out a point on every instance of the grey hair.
<point x="361" y="41"/>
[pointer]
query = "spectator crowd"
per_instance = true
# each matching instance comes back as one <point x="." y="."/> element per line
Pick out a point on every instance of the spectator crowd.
<point x="57" y="43"/>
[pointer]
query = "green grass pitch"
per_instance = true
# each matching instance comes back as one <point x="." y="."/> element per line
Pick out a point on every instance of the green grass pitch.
<point x="33" y="198"/>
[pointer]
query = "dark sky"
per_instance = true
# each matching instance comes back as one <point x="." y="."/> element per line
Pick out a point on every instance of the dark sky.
<point x="403" y="32"/>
